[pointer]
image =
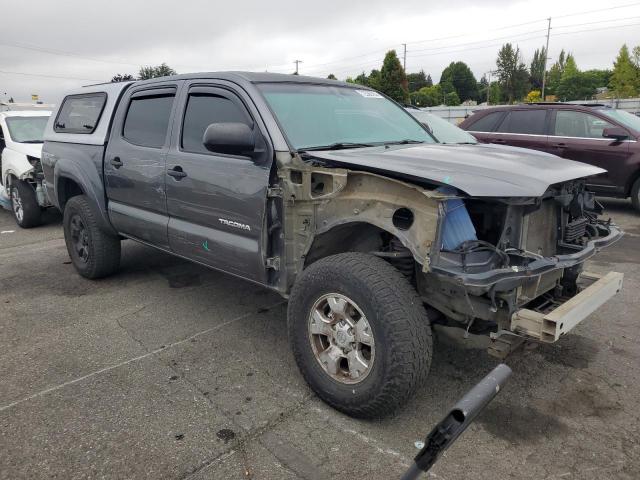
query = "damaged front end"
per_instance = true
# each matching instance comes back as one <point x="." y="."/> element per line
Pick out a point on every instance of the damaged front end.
<point x="512" y="267"/>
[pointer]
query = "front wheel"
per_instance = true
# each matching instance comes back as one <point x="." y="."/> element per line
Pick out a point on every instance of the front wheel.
<point x="359" y="333"/>
<point x="94" y="253"/>
<point x="24" y="204"/>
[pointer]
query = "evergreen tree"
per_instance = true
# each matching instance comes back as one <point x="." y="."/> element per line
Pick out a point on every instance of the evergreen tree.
<point x="555" y="74"/>
<point x="625" y="79"/>
<point x="373" y="80"/>
<point x="429" y="81"/>
<point x="362" y="79"/>
<point x="393" y="81"/>
<point x="331" y="76"/>
<point x="461" y="79"/>
<point x="417" y="81"/>
<point x="536" y="71"/>
<point x="513" y="74"/>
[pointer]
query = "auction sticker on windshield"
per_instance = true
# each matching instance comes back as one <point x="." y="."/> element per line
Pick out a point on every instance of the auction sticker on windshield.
<point x="369" y="94"/>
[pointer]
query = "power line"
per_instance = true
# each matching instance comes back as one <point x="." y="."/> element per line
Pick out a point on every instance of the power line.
<point x="51" y="76"/>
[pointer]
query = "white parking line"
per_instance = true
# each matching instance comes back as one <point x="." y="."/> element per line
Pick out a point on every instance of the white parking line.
<point x="131" y="360"/>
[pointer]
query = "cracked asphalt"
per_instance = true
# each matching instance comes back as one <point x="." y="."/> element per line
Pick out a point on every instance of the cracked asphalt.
<point x="169" y="370"/>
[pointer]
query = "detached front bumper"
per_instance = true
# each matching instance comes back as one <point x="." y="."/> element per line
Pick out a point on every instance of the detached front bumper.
<point x="549" y="326"/>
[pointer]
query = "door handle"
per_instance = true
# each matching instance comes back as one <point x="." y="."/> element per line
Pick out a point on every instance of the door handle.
<point x="177" y="172"/>
<point x="498" y="140"/>
<point x="560" y="145"/>
<point x="116" y="162"/>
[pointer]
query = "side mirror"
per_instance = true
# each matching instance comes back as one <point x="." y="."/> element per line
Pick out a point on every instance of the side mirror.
<point x="617" y="133"/>
<point x="232" y="138"/>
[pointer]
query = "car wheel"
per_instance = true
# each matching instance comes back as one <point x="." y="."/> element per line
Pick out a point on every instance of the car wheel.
<point x="635" y="194"/>
<point x="94" y="253"/>
<point x="24" y="204"/>
<point x="359" y="333"/>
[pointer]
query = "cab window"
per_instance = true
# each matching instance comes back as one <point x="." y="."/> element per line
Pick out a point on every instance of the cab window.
<point x="202" y="110"/>
<point x="147" y="119"/>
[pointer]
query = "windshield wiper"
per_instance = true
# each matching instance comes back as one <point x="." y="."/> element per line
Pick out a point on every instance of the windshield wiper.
<point x="336" y="146"/>
<point x="32" y="141"/>
<point x="406" y="141"/>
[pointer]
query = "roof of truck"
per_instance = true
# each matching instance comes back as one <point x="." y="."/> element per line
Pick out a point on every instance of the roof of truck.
<point x="253" y="77"/>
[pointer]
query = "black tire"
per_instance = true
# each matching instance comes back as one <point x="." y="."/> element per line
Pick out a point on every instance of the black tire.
<point x="398" y="322"/>
<point x="94" y="253"/>
<point x="24" y="204"/>
<point x="635" y="194"/>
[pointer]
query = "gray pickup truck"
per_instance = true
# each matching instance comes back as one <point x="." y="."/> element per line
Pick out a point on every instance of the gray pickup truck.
<point x="334" y="196"/>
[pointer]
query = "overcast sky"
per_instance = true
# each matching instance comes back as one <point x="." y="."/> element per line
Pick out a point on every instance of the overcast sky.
<point x="74" y="42"/>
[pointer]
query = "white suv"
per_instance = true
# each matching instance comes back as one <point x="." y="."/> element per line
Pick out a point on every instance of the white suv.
<point x="21" y="173"/>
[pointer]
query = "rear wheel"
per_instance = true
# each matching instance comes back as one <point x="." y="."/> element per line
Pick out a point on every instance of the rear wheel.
<point x="359" y="333"/>
<point x="635" y="194"/>
<point x="24" y="204"/>
<point x="94" y="253"/>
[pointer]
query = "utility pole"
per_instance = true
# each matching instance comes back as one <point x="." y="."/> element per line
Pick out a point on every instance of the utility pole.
<point x="488" y="85"/>
<point x="488" y="74"/>
<point x="546" y="53"/>
<point x="297" y="62"/>
<point x="404" y="61"/>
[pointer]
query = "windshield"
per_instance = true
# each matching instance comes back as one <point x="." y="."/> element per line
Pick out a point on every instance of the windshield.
<point x="316" y="116"/>
<point x="625" y="118"/>
<point x="26" y="129"/>
<point x="444" y="131"/>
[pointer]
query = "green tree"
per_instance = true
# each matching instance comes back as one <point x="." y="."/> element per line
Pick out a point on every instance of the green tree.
<point x="122" y="78"/>
<point x="373" y="80"/>
<point x="417" y="81"/>
<point x="331" y="76"/>
<point x="495" y="93"/>
<point x="513" y="74"/>
<point x="483" y="86"/>
<point x="555" y="74"/>
<point x="602" y="77"/>
<point x="625" y="79"/>
<point x="451" y="99"/>
<point x="536" y="71"/>
<point x="362" y="79"/>
<point x="461" y="79"/>
<point x="393" y="81"/>
<point x="577" y="86"/>
<point x="162" y="70"/>
<point x="428" y="96"/>
<point x="429" y="81"/>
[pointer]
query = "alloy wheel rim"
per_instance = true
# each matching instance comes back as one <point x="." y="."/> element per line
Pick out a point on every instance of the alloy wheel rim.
<point x="16" y="201"/>
<point x="341" y="338"/>
<point x="79" y="238"/>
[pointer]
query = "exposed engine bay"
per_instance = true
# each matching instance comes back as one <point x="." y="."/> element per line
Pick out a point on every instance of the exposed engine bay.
<point x="496" y="256"/>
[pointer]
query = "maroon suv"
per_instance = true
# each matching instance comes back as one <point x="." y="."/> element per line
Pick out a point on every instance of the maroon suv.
<point x="594" y="134"/>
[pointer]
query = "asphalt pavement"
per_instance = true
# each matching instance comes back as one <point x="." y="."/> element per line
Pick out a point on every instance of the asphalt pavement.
<point x="170" y="370"/>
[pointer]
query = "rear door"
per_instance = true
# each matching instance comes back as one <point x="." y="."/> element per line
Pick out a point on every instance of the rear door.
<point x="216" y="205"/>
<point x="577" y="135"/>
<point x="134" y="164"/>
<point x="526" y="128"/>
<point x="483" y="126"/>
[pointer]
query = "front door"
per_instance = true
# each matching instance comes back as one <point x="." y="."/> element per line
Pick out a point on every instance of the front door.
<point x="578" y="136"/>
<point x="216" y="203"/>
<point x="134" y="164"/>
